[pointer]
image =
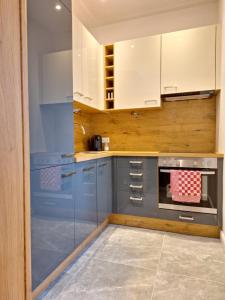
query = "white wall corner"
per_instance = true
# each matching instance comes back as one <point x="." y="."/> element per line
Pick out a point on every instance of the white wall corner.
<point x="222" y="238"/>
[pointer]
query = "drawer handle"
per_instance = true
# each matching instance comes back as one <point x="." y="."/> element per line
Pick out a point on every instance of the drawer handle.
<point x="136" y="186"/>
<point x="67" y="155"/>
<point x="102" y="165"/>
<point x="136" y="199"/>
<point x="135" y="162"/>
<point x="136" y="174"/>
<point x="88" y="169"/>
<point x="186" y="218"/>
<point x="68" y="174"/>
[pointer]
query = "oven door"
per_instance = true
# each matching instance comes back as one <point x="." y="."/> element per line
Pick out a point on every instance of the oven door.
<point x="208" y="203"/>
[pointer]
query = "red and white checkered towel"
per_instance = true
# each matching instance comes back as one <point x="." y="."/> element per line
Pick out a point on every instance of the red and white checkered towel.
<point x="50" y="179"/>
<point x="186" y="186"/>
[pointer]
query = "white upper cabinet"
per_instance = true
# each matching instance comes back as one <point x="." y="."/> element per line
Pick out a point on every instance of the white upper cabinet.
<point x="86" y="64"/>
<point x="188" y="60"/>
<point x="137" y="73"/>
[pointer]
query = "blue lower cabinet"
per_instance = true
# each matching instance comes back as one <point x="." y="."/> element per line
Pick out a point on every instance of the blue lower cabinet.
<point x="104" y="188"/>
<point x="85" y="200"/>
<point x="52" y="207"/>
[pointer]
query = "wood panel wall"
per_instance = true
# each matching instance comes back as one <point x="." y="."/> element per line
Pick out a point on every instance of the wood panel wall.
<point x="182" y="126"/>
<point x="81" y="140"/>
<point x="12" y="217"/>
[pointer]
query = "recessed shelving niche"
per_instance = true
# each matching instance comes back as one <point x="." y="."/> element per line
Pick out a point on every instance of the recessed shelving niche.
<point x="109" y="77"/>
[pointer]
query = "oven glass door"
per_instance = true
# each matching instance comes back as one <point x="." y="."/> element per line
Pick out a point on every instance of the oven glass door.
<point x="208" y="203"/>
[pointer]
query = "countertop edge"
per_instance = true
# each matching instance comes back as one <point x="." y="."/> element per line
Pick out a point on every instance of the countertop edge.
<point x="82" y="157"/>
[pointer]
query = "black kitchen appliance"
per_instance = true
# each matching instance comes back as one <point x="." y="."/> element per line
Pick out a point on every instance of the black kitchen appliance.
<point x="95" y="143"/>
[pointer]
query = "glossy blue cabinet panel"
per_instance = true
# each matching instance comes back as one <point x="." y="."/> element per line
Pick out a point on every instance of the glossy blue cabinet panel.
<point x="104" y="188"/>
<point x="85" y="201"/>
<point x="53" y="213"/>
<point x="50" y="90"/>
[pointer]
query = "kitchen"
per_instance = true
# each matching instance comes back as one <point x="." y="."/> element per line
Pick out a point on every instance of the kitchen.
<point x="115" y="133"/>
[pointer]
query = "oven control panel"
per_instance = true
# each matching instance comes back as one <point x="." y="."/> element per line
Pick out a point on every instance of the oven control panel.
<point x="194" y="163"/>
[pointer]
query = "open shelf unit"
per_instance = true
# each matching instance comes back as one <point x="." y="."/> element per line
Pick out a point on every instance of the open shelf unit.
<point x="109" y="77"/>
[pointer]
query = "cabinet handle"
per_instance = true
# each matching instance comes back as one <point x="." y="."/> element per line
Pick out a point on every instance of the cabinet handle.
<point x="67" y="155"/>
<point x="136" y="174"/>
<point x="78" y="94"/>
<point x="50" y="203"/>
<point x="136" y="199"/>
<point x="88" y="98"/>
<point x="68" y="174"/>
<point x="88" y="169"/>
<point x="174" y="88"/>
<point x="133" y="162"/>
<point x="136" y="186"/>
<point x="186" y="218"/>
<point x="102" y="165"/>
<point x="150" y="101"/>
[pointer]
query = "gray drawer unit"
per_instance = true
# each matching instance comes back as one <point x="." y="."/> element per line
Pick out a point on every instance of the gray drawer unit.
<point x="135" y="182"/>
<point x="188" y="217"/>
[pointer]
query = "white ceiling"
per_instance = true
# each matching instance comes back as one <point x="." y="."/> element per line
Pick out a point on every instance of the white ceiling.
<point x="44" y="13"/>
<point x="96" y="13"/>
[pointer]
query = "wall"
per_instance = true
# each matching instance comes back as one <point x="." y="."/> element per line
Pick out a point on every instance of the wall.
<point x="81" y="140"/>
<point x="184" y="126"/>
<point x="196" y="16"/>
<point x="221" y="99"/>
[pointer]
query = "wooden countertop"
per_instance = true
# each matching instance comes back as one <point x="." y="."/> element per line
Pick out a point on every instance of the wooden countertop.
<point x="89" y="155"/>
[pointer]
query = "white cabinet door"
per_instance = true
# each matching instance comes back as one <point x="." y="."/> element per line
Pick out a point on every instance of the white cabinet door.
<point x="57" y="82"/>
<point x="188" y="60"/>
<point x="77" y="59"/>
<point x="86" y="63"/>
<point x="91" y="63"/>
<point x="137" y="73"/>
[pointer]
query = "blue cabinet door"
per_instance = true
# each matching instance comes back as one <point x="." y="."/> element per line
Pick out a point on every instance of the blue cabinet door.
<point x="85" y="201"/>
<point x="52" y="206"/>
<point x="104" y="188"/>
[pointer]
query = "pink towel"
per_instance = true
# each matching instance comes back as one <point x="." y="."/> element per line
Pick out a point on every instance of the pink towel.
<point x="50" y="179"/>
<point x="186" y="186"/>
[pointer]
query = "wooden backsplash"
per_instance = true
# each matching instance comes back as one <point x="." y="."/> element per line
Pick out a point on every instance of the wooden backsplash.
<point x="183" y="126"/>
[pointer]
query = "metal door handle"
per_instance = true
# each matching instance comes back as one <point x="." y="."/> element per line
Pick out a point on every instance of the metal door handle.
<point x="136" y="174"/>
<point x="136" y="199"/>
<point x="136" y="186"/>
<point x="133" y="162"/>
<point x="186" y="218"/>
<point x="88" y="169"/>
<point x="68" y="174"/>
<point x="67" y="155"/>
<point x="201" y="172"/>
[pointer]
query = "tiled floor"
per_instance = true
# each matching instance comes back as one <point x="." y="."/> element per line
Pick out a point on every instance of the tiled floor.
<point x="130" y="264"/>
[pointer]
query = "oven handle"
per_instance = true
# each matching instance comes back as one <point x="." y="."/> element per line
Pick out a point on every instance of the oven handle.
<point x="202" y="172"/>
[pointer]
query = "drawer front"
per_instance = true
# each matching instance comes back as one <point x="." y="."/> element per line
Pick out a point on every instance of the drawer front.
<point x="136" y="204"/>
<point x="188" y="217"/>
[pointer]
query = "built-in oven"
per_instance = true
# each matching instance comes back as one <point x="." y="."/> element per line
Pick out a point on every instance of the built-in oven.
<point x="209" y="180"/>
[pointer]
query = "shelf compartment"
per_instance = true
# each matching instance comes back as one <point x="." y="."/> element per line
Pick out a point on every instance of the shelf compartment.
<point x="109" y="77"/>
